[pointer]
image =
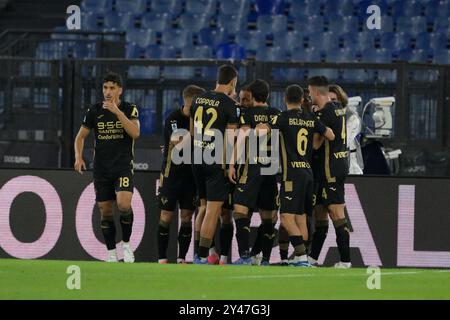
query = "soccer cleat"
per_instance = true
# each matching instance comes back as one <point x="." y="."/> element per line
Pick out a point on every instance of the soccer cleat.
<point x="213" y="258"/>
<point x="256" y="260"/>
<point x="222" y="263"/>
<point x="343" y="265"/>
<point x="301" y="263"/>
<point x="223" y="260"/>
<point x="313" y="261"/>
<point x="128" y="255"/>
<point x="163" y="261"/>
<point x="284" y="262"/>
<point x="181" y="261"/>
<point x="200" y="261"/>
<point x="112" y="256"/>
<point x="243" y="261"/>
<point x="264" y="263"/>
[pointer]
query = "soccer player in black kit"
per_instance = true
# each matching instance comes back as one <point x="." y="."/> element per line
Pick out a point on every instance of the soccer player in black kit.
<point x="116" y="126"/>
<point x="211" y="114"/>
<point x="299" y="134"/>
<point x="176" y="180"/>
<point x="330" y="170"/>
<point x="255" y="189"/>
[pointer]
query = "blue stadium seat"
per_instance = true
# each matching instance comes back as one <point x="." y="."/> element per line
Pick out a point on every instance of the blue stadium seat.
<point x="324" y="41"/>
<point x="133" y="7"/>
<point x="431" y="8"/>
<point x="143" y="72"/>
<point x="179" y="72"/>
<point x="312" y="55"/>
<point x="414" y="25"/>
<point x="200" y="6"/>
<point x="156" y="21"/>
<point x="168" y="52"/>
<point x="234" y="7"/>
<point x="441" y="24"/>
<point x="387" y="24"/>
<point x="409" y="8"/>
<point x="359" y="41"/>
<point x="290" y="39"/>
<point x="133" y="51"/>
<point x="269" y="7"/>
<point x="147" y="120"/>
<point x="194" y="22"/>
<point x="434" y="41"/>
<point x="96" y="6"/>
<point x="196" y="52"/>
<point x="153" y="52"/>
<point x="173" y="7"/>
<point x="119" y="21"/>
<point x="297" y="9"/>
<point x="355" y="76"/>
<point x="251" y="40"/>
<point x="83" y="50"/>
<point x="345" y="7"/>
<point x="177" y="38"/>
<point x="313" y="24"/>
<point x="444" y="9"/>
<point x="232" y="23"/>
<point x="386" y="76"/>
<point x="312" y="8"/>
<point x="341" y="25"/>
<point x="212" y="37"/>
<point x="377" y="56"/>
<point x="90" y="22"/>
<point x="143" y="37"/>
<point x="271" y="54"/>
<point x="298" y="53"/>
<point x="396" y="41"/>
<point x="340" y="55"/>
<point x="272" y="24"/>
<point x="331" y="74"/>
<point x="230" y="51"/>
<point x="442" y="57"/>
<point x="408" y="55"/>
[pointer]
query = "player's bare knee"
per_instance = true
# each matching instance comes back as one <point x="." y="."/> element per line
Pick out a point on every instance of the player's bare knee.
<point x="124" y="206"/>
<point x="166" y="216"/>
<point x="186" y="216"/>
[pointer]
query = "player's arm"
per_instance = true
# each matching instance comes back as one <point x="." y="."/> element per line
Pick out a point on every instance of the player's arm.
<point x="321" y="133"/>
<point x="239" y="145"/>
<point x="79" y="146"/>
<point x="131" y="126"/>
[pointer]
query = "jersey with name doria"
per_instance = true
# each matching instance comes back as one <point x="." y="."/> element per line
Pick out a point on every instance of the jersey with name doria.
<point x="212" y="112"/>
<point x="251" y="117"/>
<point x="296" y="138"/>
<point x="332" y="157"/>
<point x="113" y="146"/>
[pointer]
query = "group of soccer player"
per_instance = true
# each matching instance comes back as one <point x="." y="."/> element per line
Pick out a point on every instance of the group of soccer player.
<point x="309" y="138"/>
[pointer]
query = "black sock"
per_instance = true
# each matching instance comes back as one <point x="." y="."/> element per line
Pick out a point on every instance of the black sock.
<point x="243" y="234"/>
<point x="257" y="246"/>
<point x="226" y="237"/>
<point x="267" y="240"/>
<point x="343" y="239"/>
<point x="126" y="222"/>
<point x="184" y="239"/>
<point x="196" y="242"/>
<point x="203" y="248"/>
<point x="283" y="241"/>
<point x="299" y="245"/>
<point x="163" y="239"/>
<point x="109" y="232"/>
<point x="318" y="238"/>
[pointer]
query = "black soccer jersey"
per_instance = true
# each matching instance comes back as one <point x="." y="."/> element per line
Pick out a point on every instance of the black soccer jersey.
<point x="174" y="122"/>
<point x="296" y="138"/>
<point x="332" y="157"/>
<point x="212" y="112"/>
<point x="252" y="117"/>
<point x="113" y="146"/>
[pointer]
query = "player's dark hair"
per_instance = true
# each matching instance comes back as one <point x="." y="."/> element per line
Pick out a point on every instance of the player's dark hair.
<point x="192" y="91"/>
<point x="245" y="87"/>
<point x="113" y="77"/>
<point x="226" y="73"/>
<point x="340" y="93"/>
<point x="293" y="94"/>
<point x="318" y="81"/>
<point x="260" y="90"/>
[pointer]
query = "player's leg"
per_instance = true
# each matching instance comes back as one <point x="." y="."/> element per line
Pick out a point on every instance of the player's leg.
<point x="288" y="220"/>
<point x="165" y="220"/>
<point x="126" y="223"/>
<point x="108" y="228"/>
<point x="337" y="215"/>
<point x="184" y="234"/>
<point x="198" y="224"/>
<point x="225" y="234"/>
<point x="283" y="242"/>
<point x="208" y="228"/>
<point x="242" y="222"/>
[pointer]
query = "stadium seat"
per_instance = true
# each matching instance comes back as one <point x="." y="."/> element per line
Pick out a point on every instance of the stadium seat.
<point x="251" y="40"/>
<point x="230" y="51"/>
<point x="297" y="9"/>
<point x="443" y="9"/>
<point x="133" y="51"/>
<point x="313" y="24"/>
<point x="340" y="55"/>
<point x="346" y="8"/>
<point x="156" y="21"/>
<point x="442" y="57"/>
<point x="153" y="52"/>
<point x="312" y="8"/>
<point x="409" y="8"/>
<point x="290" y="40"/>
<point x="355" y="76"/>
<point x="442" y="24"/>
<point x="396" y="41"/>
<point x="413" y="26"/>
<point x="173" y="7"/>
<point x="312" y="55"/>
<point x="143" y="72"/>
<point x="133" y="7"/>
<point x="331" y="74"/>
<point x="119" y="21"/>
<point x="269" y="7"/>
<point x="177" y="38"/>
<point x="234" y="7"/>
<point x="84" y="50"/>
<point x="147" y="120"/>
<point x="324" y="41"/>
<point x="196" y="52"/>
<point x="359" y="41"/>
<point x="386" y="76"/>
<point x="178" y="72"/>
<point x="90" y="22"/>
<point x="341" y="25"/>
<point x="97" y="6"/>
<point x="271" y="54"/>
<point x="418" y="55"/>
<point x="376" y="56"/>
<point x="232" y="23"/>
<point x="212" y="37"/>
<point x="201" y="6"/>
<point x="168" y="52"/>
<point x="435" y="41"/>
<point x="272" y="24"/>
<point x="143" y="37"/>
<point x="194" y="22"/>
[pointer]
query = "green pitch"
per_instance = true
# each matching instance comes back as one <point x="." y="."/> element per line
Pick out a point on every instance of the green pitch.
<point x="44" y="279"/>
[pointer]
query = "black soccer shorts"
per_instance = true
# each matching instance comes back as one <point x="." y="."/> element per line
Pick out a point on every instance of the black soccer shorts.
<point x="211" y="181"/>
<point x="254" y="190"/>
<point x="296" y="193"/>
<point x="328" y="193"/>
<point x="106" y="185"/>
<point x="179" y="187"/>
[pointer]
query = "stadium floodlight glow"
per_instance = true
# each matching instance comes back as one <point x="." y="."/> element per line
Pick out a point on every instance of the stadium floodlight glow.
<point x="381" y="116"/>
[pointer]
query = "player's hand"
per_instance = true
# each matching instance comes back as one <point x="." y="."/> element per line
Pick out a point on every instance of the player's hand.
<point x="263" y="128"/>
<point x="79" y="165"/>
<point x="111" y="106"/>
<point x="232" y="174"/>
